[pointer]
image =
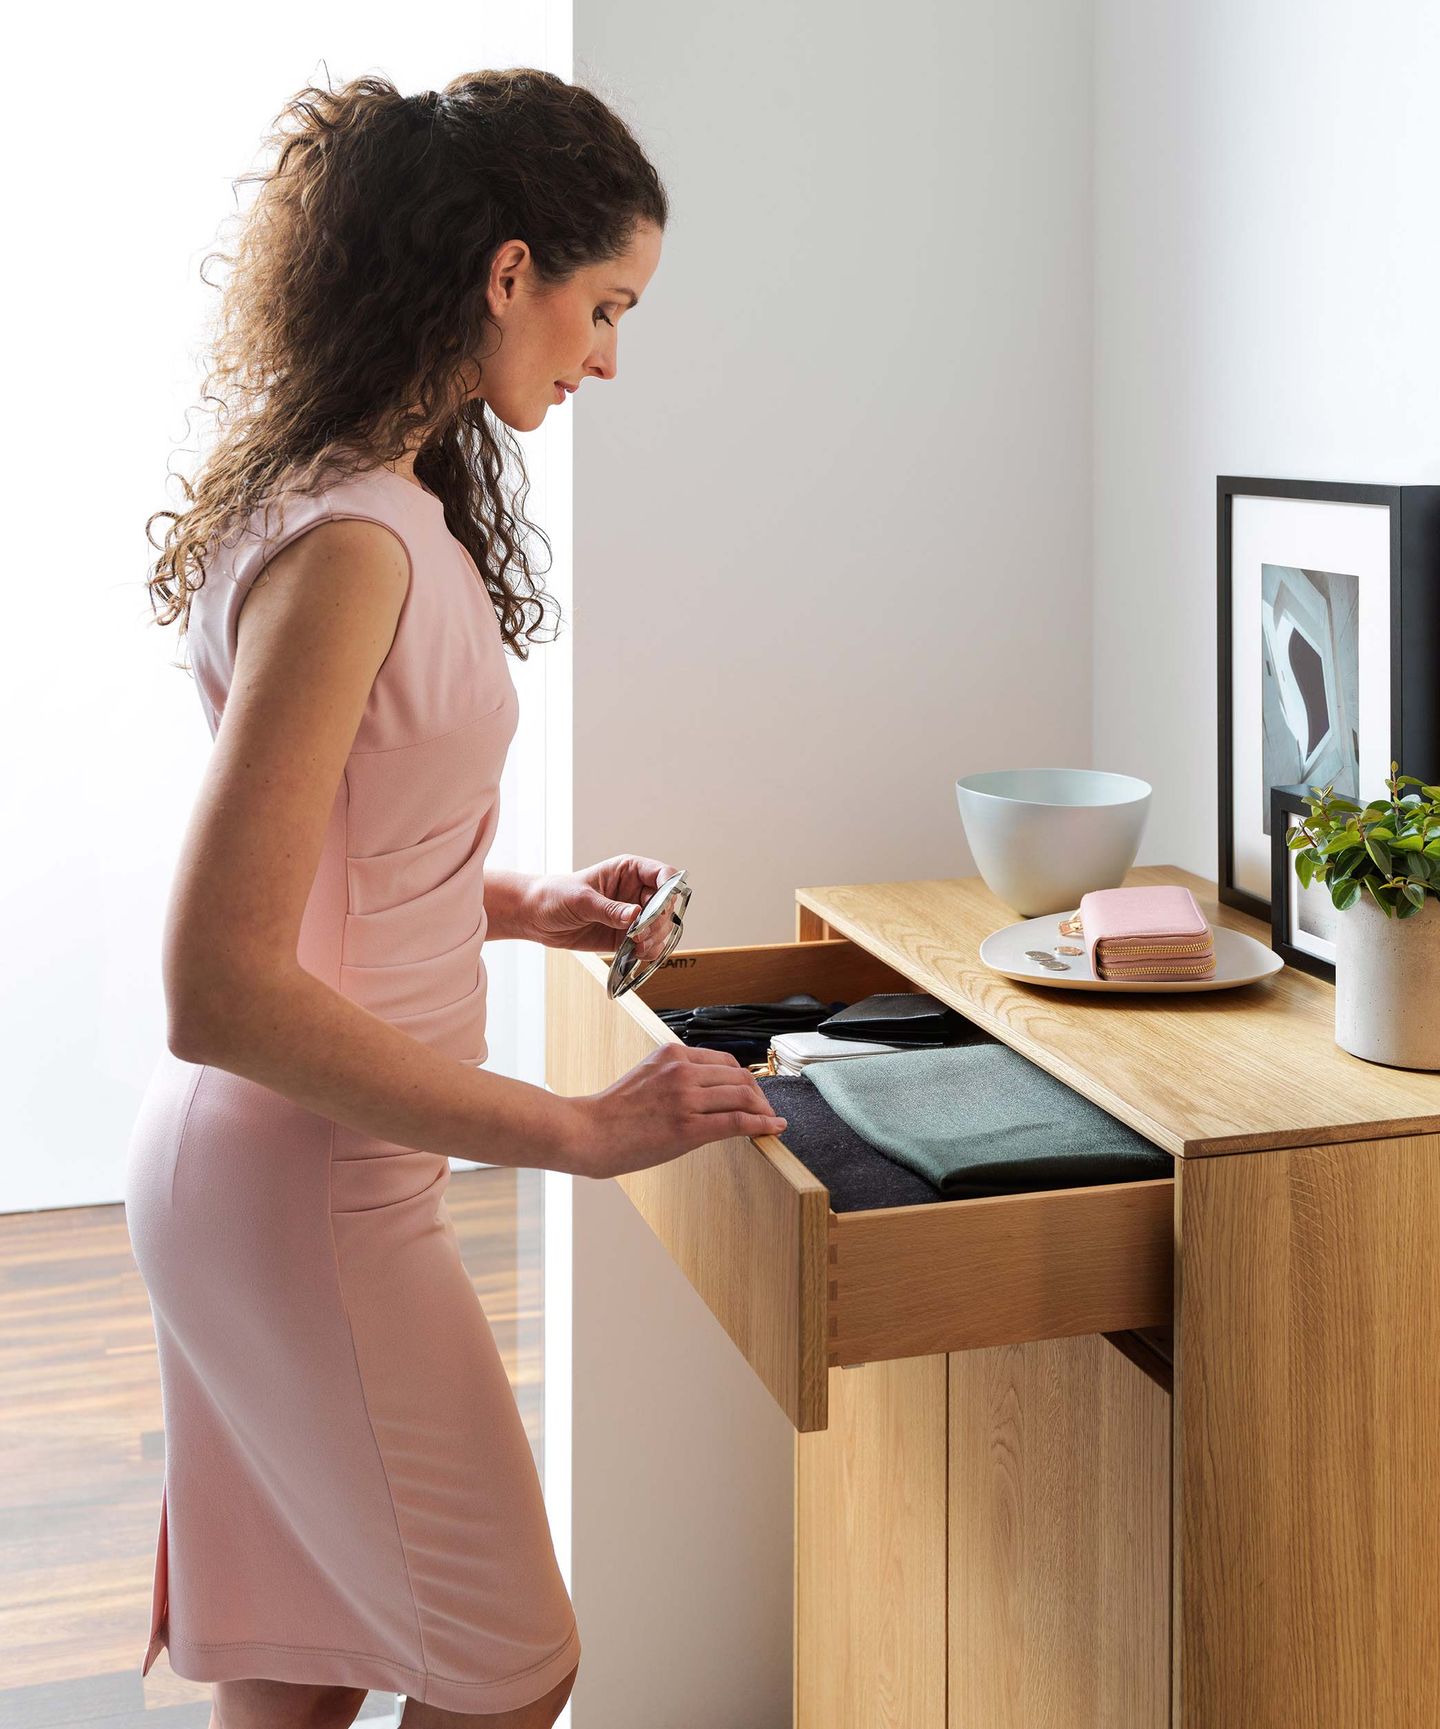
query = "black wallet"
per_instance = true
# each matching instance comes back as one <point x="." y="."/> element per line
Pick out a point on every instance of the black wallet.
<point x="903" y="1018"/>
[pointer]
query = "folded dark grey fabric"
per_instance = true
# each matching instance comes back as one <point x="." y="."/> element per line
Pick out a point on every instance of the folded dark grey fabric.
<point x="858" y="1176"/>
<point x="983" y="1120"/>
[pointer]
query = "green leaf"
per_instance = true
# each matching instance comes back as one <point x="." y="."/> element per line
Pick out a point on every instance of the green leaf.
<point x="1406" y="843"/>
<point x="1379" y="852"/>
<point x="1414" y="893"/>
<point x="1305" y="869"/>
<point x="1345" y="894"/>
<point x="1418" y="868"/>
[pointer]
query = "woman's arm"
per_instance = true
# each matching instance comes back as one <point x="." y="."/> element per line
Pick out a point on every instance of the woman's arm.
<point x="313" y="632"/>
<point x="505" y="895"/>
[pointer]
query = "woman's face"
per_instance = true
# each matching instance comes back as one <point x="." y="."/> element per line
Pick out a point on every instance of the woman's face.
<point x="551" y="338"/>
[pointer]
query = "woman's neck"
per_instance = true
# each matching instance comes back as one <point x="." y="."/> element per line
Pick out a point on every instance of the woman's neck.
<point x="404" y="466"/>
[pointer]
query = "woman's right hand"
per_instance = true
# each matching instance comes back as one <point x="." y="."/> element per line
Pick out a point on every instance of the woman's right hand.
<point x="679" y="1097"/>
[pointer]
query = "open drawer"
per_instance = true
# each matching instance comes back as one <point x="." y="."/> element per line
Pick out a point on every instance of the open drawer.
<point x="799" y="1287"/>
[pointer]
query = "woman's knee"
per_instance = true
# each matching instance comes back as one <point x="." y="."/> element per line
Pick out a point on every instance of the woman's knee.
<point x="542" y="1712"/>
<point x="284" y="1705"/>
<point x="564" y="1686"/>
<point x="538" y="1714"/>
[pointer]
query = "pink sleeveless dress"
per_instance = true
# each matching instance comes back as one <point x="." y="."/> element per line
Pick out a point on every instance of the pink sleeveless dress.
<point x="350" y="1496"/>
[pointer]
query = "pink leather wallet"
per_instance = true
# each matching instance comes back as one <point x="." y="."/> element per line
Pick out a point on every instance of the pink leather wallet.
<point x="1153" y="932"/>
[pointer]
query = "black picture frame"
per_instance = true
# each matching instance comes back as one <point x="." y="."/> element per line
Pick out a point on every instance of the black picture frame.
<point x="1414" y="607"/>
<point x="1285" y="802"/>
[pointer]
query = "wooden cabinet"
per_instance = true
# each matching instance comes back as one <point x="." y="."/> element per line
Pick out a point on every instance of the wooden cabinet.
<point x="1151" y="1452"/>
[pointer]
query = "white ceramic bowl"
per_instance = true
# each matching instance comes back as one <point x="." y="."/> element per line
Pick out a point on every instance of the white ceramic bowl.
<point x="1042" y="836"/>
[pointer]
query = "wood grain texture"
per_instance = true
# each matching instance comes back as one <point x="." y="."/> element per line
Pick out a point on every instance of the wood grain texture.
<point x="808" y="927"/>
<point x="833" y="970"/>
<point x="951" y="1276"/>
<point x="1139" y="1345"/>
<point x="744" y="1220"/>
<point x="870" y="1552"/>
<point x="1059" y="1555"/>
<point x="1199" y="1074"/>
<point x="1307" y="1508"/>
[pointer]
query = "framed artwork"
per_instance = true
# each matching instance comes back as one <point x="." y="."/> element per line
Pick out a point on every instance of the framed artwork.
<point x="1328" y="653"/>
<point x="1302" y="919"/>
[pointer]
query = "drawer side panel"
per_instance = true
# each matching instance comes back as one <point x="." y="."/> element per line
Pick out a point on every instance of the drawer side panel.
<point x="750" y="1242"/>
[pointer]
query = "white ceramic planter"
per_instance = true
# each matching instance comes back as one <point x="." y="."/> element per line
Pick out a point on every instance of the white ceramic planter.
<point x="1387" y="985"/>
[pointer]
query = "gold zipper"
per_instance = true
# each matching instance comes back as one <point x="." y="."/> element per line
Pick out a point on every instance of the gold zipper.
<point x="1201" y="945"/>
<point x="1144" y="972"/>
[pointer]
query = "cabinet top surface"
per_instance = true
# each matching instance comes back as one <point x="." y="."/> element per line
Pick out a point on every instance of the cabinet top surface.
<point x="1199" y="1072"/>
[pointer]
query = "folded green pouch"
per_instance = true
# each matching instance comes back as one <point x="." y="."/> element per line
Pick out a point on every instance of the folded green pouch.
<point x="983" y="1120"/>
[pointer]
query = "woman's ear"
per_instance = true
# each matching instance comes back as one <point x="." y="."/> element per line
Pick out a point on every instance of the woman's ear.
<point x="510" y="263"/>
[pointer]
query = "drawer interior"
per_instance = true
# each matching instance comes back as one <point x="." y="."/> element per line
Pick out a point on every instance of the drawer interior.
<point x="833" y="970"/>
<point x="800" y="1286"/>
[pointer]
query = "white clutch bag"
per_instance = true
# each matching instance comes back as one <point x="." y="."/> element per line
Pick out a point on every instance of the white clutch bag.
<point x="792" y="1052"/>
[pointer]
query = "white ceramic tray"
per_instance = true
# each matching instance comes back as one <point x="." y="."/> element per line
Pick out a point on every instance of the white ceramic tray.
<point x="1239" y="960"/>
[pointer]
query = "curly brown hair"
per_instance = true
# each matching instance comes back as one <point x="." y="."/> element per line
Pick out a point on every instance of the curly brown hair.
<point x="357" y="295"/>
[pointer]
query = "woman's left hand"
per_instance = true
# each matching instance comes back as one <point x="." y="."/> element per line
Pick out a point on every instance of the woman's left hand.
<point x="592" y="908"/>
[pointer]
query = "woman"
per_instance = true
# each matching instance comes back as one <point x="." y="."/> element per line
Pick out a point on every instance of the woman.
<point x="350" y="1498"/>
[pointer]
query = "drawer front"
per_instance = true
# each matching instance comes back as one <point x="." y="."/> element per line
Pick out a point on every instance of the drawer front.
<point x="799" y="1288"/>
<point x="1006" y="1270"/>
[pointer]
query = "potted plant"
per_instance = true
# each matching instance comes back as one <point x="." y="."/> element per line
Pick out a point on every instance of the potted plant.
<point x="1381" y="863"/>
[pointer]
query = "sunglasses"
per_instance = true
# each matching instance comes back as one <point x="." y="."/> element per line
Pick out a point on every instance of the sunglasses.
<point x="649" y="941"/>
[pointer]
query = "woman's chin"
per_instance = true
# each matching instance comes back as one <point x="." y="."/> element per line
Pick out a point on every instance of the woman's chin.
<point x="525" y="420"/>
<point x="508" y="417"/>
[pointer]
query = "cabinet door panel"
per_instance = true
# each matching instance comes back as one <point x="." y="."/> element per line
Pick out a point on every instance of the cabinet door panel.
<point x="1059" y="1555"/>
<point x="870" y="1552"/>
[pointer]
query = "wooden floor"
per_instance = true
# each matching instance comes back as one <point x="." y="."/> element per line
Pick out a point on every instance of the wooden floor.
<point x="82" y="1449"/>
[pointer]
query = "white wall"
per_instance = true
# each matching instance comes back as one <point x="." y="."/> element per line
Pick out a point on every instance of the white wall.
<point x="832" y="550"/>
<point x="1267" y="302"/>
<point x="832" y="517"/>
<point x="105" y="744"/>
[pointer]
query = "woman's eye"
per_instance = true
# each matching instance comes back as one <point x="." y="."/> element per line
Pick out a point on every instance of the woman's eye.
<point x="599" y="313"/>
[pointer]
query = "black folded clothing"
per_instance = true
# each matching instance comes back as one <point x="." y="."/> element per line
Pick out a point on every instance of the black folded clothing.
<point x="858" y="1175"/>
<point x="746" y="1029"/>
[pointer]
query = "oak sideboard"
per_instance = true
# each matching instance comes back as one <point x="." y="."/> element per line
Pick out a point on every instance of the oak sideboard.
<point x="1121" y="1456"/>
